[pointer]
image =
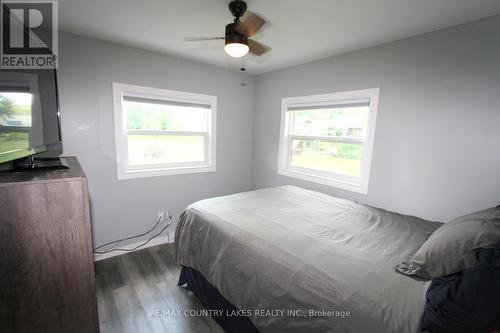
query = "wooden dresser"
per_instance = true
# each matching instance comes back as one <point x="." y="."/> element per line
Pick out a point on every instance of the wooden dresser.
<point x="47" y="280"/>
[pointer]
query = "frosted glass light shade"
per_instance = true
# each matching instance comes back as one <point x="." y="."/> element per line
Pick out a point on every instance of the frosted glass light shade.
<point x="236" y="50"/>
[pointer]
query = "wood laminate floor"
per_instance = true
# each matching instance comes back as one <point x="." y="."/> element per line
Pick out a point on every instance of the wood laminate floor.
<point x="138" y="292"/>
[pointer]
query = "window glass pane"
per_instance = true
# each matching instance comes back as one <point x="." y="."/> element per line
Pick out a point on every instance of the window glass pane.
<point x="334" y="122"/>
<point x="150" y="116"/>
<point x="163" y="149"/>
<point x="343" y="158"/>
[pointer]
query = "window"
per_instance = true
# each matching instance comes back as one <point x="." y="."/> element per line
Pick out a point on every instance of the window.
<point x="163" y="132"/>
<point x="328" y="139"/>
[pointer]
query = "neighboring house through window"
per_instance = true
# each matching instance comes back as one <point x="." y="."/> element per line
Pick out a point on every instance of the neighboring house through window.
<point x="328" y="138"/>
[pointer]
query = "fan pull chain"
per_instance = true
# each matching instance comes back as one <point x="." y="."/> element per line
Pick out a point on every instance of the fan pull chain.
<point x="243" y="69"/>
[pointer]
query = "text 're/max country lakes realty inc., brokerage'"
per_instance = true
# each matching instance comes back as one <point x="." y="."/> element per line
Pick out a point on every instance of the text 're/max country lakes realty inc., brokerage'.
<point x="164" y="313"/>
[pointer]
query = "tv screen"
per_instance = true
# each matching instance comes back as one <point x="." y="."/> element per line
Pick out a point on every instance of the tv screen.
<point x="29" y="114"/>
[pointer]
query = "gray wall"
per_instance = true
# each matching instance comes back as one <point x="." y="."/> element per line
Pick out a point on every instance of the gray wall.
<point x="437" y="142"/>
<point x="87" y="68"/>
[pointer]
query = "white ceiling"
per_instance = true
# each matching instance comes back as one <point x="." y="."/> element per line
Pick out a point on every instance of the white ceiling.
<point x="299" y="31"/>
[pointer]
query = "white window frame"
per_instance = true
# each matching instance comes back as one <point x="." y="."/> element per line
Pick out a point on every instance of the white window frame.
<point x="345" y="182"/>
<point x="124" y="171"/>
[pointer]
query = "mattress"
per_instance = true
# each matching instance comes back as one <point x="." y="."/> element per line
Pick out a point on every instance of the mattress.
<point x="295" y="260"/>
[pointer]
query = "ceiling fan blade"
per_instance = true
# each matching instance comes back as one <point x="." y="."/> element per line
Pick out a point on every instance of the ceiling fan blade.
<point x="257" y="48"/>
<point x="250" y="24"/>
<point x="198" y="39"/>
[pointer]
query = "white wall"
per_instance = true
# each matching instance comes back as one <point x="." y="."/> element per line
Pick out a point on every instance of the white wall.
<point x="437" y="143"/>
<point x="87" y="68"/>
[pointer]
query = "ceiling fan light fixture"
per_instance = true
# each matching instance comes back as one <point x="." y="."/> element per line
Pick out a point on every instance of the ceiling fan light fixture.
<point x="237" y="42"/>
<point x="236" y="50"/>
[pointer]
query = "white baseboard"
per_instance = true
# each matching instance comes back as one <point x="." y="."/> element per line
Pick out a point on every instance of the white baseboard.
<point x="164" y="239"/>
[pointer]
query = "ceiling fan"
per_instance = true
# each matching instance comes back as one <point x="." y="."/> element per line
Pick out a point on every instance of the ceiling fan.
<point x="237" y="41"/>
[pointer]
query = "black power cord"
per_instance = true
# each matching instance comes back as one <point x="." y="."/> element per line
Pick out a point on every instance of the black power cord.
<point x="132" y="237"/>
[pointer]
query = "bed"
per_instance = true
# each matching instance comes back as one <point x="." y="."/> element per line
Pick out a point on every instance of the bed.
<point x="296" y="260"/>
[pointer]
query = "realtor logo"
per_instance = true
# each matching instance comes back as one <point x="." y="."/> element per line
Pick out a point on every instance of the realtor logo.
<point x="28" y="39"/>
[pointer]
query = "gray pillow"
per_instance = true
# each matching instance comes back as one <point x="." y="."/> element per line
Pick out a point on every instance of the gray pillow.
<point x="452" y="247"/>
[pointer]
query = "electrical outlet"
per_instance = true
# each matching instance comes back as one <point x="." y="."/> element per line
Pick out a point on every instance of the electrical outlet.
<point x="161" y="216"/>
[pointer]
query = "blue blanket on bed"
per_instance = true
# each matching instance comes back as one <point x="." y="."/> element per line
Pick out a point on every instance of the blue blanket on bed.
<point x="468" y="301"/>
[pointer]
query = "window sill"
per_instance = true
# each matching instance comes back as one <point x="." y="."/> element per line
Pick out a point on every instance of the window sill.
<point x="131" y="174"/>
<point x="323" y="180"/>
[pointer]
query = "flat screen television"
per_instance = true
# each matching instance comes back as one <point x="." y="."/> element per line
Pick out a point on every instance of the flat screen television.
<point x="29" y="115"/>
